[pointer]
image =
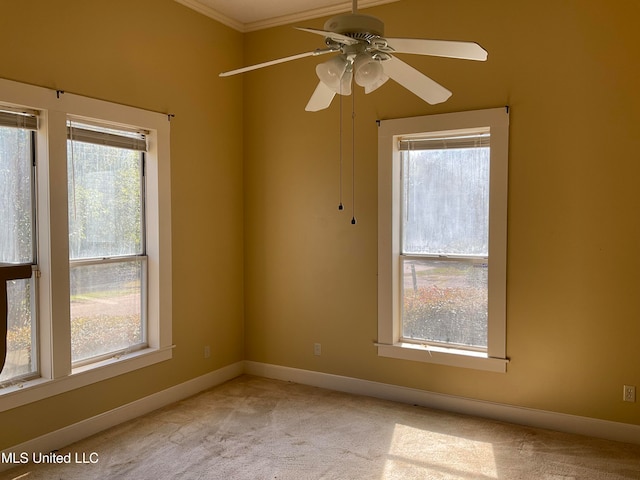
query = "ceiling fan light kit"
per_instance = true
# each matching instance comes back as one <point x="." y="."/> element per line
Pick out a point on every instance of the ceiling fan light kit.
<point x="368" y="58"/>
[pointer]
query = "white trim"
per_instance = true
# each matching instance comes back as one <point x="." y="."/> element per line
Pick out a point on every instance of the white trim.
<point x="593" y="427"/>
<point x="443" y="356"/>
<point x="211" y="13"/>
<point x="389" y="268"/>
<point x="90" y="426"/>
<point x="201" y="7"/>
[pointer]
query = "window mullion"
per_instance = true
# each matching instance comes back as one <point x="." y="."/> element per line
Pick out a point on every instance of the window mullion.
<point x="55" y="330"/>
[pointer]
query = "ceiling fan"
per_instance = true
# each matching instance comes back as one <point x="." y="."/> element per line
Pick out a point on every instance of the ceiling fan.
<point x="367" y="57"/>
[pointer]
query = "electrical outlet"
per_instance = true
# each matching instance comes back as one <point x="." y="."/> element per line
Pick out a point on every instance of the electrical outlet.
<point x="317" y="349"/>
<point x="207" y="351"/>
<point x="629" y="393"/>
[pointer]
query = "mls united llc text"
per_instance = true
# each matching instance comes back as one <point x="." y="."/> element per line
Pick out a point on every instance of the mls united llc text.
<point x="51" y="457"/>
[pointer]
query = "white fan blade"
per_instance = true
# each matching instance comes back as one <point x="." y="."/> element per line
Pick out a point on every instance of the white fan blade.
<point x="321" y="98"/>
<point x="337" y="37"/>
<point x="415" y="81"/>
<point x="279" y="60"/>
<point x="438" y="48"/>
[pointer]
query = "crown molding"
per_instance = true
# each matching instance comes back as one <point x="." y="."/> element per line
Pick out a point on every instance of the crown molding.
<point x="342" y="7"/>
<point x="211" y="13"/>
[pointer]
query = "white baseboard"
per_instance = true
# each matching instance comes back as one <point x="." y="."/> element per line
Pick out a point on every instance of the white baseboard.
<point x="72" y="433"/>
<point x="622" y="432"/>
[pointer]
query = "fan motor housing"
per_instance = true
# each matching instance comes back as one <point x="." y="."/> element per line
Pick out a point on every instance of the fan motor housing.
<point x="354" y="23"/>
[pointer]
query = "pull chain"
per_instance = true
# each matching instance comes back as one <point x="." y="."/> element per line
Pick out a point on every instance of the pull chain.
<point x="353" y="157"/>
<point x="340" y="206"/>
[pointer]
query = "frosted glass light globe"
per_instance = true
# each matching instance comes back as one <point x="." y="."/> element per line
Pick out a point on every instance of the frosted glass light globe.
<point x="335" y="75"/>
<point x="368" y="71"/>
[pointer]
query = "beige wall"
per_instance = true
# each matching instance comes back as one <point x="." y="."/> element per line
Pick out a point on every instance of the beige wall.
<point x="157" y="55"/>
<point x="570" y="72"/>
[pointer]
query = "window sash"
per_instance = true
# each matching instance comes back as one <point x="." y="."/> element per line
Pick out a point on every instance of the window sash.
<point x="444" y="191"/>
<point x="435" y="305"/>
<point x="11" y="276"/>
<point x="111" y="249"/>
<point x="121" y="325"/>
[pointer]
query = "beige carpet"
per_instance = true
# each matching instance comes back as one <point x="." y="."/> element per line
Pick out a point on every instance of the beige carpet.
<point x="254" y="428"/>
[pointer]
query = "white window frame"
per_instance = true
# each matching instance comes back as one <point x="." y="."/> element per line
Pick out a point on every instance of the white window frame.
<point x="389" y="230"/>
<point x="56" y="374"/>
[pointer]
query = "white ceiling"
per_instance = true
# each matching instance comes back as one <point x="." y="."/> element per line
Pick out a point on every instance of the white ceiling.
<point x="250" y="15"/>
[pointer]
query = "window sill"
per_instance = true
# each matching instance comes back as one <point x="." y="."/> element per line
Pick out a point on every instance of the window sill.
<point x="39" y="388"/>
<point x="443" y="356"/>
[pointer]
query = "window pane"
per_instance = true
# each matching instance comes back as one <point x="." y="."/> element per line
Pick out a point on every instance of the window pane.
<point x="446" y="201"/>
<point x="445" y="301"/>
<point x="105" y="201"/>
<point x="106" y="308"/>
<point x="16" y="247"/>
<point x="21" y="357"/>
<point x="15" y="196"/>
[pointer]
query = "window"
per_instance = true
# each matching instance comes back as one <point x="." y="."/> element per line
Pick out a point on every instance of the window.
<point x="106" y="240"/>
<point x="442" y="239"/>
<point x="18" y="357"/>
<point x="85" y="189"/>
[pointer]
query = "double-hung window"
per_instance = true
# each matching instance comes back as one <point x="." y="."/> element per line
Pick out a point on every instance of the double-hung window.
<point x="107" y="254"/>
<point x="85" y="241"/>
<point x="442" y="238"/>
<point x="18" y="331"/>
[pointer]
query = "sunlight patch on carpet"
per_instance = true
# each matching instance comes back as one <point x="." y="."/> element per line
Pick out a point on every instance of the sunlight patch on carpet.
<point x="407" y="459"/>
